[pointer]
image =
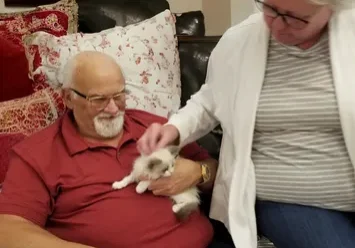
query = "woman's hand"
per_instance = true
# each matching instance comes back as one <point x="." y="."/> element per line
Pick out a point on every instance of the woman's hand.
<point x="187" y="174"/>
<point x="157" y="136"/>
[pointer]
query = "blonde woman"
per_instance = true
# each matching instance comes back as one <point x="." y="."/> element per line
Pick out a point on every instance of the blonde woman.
<point x="282" y="86"/>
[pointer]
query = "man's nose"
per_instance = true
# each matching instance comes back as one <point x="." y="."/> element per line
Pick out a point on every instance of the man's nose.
<point x="111" y="107"/>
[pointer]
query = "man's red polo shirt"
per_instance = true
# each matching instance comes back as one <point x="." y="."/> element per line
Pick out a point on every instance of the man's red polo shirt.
<point x="63" y="184"/>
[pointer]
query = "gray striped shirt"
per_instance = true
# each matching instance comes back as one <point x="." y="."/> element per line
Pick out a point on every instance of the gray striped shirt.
<point x="298" y="150"/>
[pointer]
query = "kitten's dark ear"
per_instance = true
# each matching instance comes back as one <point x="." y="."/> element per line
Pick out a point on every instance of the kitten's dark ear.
<point x="174" y="150"/>
<point x="153" y="162"/>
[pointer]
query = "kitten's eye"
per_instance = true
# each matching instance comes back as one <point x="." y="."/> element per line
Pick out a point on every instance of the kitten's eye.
<point x="153" y="163"/>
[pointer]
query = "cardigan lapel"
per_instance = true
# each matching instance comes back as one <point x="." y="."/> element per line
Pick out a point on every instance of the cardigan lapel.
<point x="342" y="50"/>
<point x="250" y="81"/>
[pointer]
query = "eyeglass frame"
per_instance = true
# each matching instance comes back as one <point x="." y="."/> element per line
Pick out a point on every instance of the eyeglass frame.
<point x="277" y="14"/>
<point x="90" y="98"/>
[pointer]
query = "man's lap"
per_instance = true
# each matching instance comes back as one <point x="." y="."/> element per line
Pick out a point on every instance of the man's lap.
<point x="296" y="226"/>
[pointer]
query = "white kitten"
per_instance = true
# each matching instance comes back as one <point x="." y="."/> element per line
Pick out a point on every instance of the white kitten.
<point x="161" y="164"/>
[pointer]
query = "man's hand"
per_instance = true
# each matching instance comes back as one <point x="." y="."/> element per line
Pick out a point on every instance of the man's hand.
<point x="187" y="174"/>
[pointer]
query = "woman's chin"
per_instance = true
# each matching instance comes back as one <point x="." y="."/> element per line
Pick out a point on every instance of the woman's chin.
<point x="286" y="40"/>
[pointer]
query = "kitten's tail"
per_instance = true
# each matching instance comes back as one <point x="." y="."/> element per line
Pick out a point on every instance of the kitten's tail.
<point x="186" y="210"/>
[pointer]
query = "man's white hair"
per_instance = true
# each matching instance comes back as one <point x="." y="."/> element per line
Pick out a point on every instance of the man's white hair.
<point x="68" y="73"/>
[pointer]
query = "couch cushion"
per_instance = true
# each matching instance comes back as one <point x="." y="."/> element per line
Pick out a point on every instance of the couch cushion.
<point x="96" y="16"/>
<point x="146" y="51"/>
<point x="190" y="23"/>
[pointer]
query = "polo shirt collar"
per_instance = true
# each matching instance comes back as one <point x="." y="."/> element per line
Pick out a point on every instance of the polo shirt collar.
<point x="75" y="143"/>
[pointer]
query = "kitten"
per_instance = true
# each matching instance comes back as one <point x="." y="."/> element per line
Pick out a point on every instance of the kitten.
<point x="161" y="164"/>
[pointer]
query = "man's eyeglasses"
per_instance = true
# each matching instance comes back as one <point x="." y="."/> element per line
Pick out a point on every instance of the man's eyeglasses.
<point x="100" y="102"/>
<point x="292" y="21"/>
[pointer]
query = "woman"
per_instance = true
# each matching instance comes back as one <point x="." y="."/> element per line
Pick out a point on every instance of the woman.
<point x="281" y="84"/>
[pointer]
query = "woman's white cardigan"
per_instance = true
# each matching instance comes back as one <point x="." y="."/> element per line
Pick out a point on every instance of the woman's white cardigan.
<point x="230" y="97"/>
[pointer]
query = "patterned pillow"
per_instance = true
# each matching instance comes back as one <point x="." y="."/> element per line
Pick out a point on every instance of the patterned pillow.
<point x="57" y="19"/>
<point x="32" y="113"/>
<point x="146" y="51"/>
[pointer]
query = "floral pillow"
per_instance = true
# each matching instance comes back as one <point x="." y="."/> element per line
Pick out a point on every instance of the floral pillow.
<point x="147" y="53"/>
<point x="57" y="19"/>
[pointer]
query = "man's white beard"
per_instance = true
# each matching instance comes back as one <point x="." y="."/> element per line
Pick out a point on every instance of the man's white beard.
<point x="108" y="128"/>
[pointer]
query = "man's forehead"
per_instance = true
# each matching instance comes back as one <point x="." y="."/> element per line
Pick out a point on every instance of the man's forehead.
<point x="100" y="77"/>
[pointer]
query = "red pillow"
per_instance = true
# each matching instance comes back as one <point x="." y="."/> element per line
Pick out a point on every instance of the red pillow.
<point x="14" y="81"/>
<point x="57" y="19"/>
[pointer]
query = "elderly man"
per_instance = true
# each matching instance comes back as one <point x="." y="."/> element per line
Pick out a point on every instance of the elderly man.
<point x="58" y="193"/>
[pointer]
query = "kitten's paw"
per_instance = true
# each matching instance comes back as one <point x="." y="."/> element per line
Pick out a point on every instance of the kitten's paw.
<point x="177" y="207"/>
<point x="183" y="210"/>
<point x="142" y="186"/>
<point x="167" y="174"/>
<point x="118" y="185"/>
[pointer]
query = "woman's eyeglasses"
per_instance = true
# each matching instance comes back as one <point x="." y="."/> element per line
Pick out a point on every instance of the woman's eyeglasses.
<point x="292" y="21"/>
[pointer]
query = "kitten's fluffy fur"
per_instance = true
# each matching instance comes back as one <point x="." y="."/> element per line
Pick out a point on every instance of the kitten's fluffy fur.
<point x="159" y="164"/>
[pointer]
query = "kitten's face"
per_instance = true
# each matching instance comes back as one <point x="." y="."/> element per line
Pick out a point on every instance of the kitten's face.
<point x="160" y="161"/>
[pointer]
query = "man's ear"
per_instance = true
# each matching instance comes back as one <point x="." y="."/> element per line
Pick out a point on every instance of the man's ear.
<point x="174" y="150"/>
<point x="68" y="98"/>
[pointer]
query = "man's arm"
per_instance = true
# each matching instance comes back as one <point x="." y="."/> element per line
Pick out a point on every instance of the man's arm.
<point x="208" y="174"/>
<point x="17" y="232"/>
<point x="25" y="204"/>
<point x="207" y="166"/>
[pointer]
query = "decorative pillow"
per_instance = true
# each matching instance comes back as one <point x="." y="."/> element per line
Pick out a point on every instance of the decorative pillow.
<point x="58" y="19"/>
<point x="32" y="113"/>
<point x="146" y="51"/>
<point x="14" y="81"/>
